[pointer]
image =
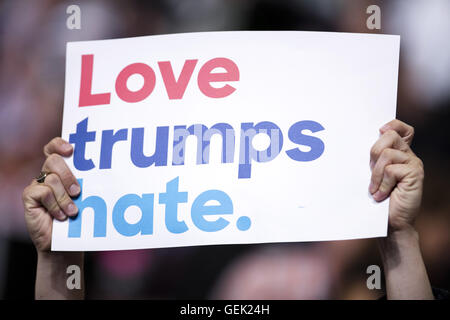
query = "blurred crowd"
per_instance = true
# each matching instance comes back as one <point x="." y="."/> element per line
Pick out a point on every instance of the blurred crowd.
<point x="33" y="35"/>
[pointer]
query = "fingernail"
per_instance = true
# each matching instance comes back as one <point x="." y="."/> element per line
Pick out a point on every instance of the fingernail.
<point x="67" y="147"/>
<point x="378" y="196"/>
<point x="385" y="128"/>
<point x="72" y="209"/>
<point x="61" y="215"/>
<point x="372" y="164"/>
<point x="74" y="189"/>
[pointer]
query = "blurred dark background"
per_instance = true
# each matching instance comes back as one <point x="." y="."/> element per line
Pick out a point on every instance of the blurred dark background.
<point x="33" y="35"/>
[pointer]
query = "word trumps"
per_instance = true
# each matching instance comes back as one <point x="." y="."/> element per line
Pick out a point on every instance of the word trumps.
<point x="247" y="152"/>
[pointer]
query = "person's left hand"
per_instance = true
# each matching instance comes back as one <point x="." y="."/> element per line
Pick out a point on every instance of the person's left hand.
<point x="397" y="172"/>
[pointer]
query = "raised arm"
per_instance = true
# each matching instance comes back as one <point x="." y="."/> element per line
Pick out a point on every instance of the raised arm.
<point x="397" y="172"/>
<point x="49" y="199"/>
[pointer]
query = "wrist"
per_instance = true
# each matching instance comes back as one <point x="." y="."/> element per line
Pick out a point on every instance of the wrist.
<point x="407" y="233"/>
<point x="397" y="242"/>
<point x="404" y="269"/>
<point x="60" y="256"/>
<point x="53" y="272"/>
<point x="55" y="264"/>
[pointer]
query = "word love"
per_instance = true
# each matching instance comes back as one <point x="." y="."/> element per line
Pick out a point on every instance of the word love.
<point x="175" y="88"/>
<point x="200" y="209"/>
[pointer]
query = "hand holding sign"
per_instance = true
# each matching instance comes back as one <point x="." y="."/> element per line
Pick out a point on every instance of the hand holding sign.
<point x="397" y="172"/>
<point x="51" y="198"/>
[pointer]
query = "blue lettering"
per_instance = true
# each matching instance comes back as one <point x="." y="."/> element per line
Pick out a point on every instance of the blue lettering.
<point x="99" y="207"/>
<point x="248" y="153"/>
<point x="295" y="135"/>
<point x="203" y="135"/>
<point x="199" y="210"/>
<point x="159" y="158"/>
<point x="109" y="138"/>
<point x="144" y="225"/>
<point x="79" y="139"/>
<point x="171" y="198"/>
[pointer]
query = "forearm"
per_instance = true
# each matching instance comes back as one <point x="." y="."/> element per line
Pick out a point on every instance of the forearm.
<point x="405" y="272"/>
<point x="51" y="275"/>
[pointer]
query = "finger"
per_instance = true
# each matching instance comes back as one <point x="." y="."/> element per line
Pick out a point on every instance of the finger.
<point x="40" y="195"/>
<point x="388" y="156"/>
<point x="392" y="174"/>
<point x="59" y="146"/>
<point x="63" y="199"/>
<point x="389" y="139"/>
<point x="56" y="164"/>
<point x="404" y="130"/>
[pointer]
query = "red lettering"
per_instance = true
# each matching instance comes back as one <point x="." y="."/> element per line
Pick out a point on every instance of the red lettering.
<point x="205" y="77"/>
<point x="86" y="96"/>
<point x="135" y="96"/>
<point x="175" y="89"/>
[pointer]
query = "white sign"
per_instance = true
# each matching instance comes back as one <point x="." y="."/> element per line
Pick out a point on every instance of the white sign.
<point x="225" y="137"/>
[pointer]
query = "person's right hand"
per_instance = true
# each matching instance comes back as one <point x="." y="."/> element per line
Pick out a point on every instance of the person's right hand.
<point x="52" y="198"/>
